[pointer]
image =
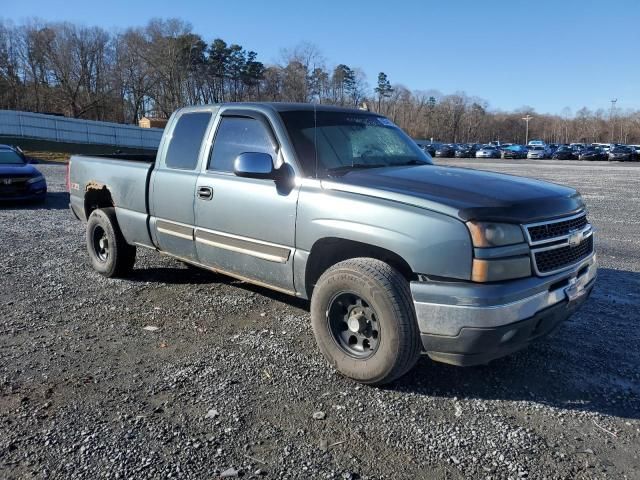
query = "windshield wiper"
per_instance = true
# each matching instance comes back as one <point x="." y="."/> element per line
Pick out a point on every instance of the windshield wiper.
<point x="355" y="166"/>
<point x="411" y="162"/>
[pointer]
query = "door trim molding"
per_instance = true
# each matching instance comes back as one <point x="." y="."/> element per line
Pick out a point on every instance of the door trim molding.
<point x="175" y="229"/>
<point x="271" y="252"/>
<point x="235" y="243"/>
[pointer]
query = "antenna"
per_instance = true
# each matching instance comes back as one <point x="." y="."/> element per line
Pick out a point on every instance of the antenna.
<point x="315" y="135"/>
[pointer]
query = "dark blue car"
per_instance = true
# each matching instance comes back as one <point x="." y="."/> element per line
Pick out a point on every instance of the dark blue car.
<point x="18" y="179"/>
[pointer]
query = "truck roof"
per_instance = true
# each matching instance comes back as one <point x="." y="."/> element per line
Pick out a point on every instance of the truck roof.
<point x="284" y="107"/>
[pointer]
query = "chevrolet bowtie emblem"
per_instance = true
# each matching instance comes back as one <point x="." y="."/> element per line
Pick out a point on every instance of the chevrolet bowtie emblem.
<point x="575" y="238"/>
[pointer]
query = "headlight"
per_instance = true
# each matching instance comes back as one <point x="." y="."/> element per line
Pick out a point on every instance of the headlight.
<point x="37" y="179"/>
<point x="487" y="234"/>
<point x="501" y="269"/>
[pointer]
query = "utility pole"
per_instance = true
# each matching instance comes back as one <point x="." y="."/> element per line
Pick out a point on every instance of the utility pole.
<point x="612" y="118"/>
<point x="526" y="119"/>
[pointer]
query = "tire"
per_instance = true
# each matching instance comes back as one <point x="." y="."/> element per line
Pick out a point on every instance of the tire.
<point x="386" y="294"/>
<point x="115" y="257"/>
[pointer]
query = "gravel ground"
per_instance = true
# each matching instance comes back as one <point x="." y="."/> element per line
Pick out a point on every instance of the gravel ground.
<point x="230" y="382"/>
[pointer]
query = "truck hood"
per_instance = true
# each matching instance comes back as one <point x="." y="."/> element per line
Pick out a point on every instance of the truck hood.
<point x="465" y="193"/>
<point x="18" y="170"/>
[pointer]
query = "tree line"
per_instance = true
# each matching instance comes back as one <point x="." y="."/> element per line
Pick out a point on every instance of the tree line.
<point x="92" y="73"/>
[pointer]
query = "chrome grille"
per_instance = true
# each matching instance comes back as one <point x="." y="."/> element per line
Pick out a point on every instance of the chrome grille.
<point x="551" y="230"/>
<point x="13" y="186"/>
<point x="560" y="244"/>
<point x="559" y="258"/>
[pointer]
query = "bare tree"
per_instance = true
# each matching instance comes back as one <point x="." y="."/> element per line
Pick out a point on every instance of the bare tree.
<point x="154" y="69"/>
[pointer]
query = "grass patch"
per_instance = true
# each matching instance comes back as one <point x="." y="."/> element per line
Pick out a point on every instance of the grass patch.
<point x="56" y="157"/>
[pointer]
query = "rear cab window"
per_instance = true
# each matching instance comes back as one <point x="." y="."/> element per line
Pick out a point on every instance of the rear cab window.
<point x="186" y="140"/>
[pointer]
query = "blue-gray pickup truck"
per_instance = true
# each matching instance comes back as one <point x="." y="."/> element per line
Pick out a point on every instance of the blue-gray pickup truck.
<point x="397" y="256"/>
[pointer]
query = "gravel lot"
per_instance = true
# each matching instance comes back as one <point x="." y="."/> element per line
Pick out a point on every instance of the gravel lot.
<point x="231" y="382"/>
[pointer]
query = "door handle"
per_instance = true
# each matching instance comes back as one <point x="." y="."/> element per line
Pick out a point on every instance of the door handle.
<point x="205" y="193"/>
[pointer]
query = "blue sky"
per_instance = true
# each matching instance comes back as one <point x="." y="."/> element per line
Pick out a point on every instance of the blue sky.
<point x="546" y="54"/>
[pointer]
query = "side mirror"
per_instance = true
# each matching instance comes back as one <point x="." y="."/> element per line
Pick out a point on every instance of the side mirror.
<point x="254" y="165"/>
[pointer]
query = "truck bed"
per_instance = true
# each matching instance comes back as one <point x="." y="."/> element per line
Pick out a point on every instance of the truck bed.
<point x="120" y="179"/>
<point x="132" y="157"/>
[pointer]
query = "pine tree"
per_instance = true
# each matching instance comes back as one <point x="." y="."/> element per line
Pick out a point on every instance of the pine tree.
<point x="383" y="89"/>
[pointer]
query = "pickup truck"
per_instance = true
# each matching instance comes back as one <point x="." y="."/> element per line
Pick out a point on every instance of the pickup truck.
<point x="397" y="256"/>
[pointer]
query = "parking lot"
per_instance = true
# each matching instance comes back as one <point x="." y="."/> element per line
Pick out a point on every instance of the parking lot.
<point x="229" y="381"/>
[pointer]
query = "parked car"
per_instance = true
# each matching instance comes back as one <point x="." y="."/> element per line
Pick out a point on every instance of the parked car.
<point x="19" y="181"/>
<point x="577" y="147"/>
<point x="537" y="151"/>
<point x="623" y="154"/>
<point x="592" y="153"/>
<point x="273" y="194"/>
<point x="515" y="151"/>
<point x="446" y="151"/>
<point x="605" y="147"/>
<point x="466" y="151"/>
<point x="487" y="152"/>
<point x="564" y="152"/>
<point x="429" y="148"/>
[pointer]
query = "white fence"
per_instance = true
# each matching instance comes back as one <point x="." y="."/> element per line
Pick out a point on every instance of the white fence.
<point x="71" y="130"/>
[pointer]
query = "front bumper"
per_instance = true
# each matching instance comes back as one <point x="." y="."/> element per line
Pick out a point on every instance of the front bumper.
<point x="464" y="323"/>
<point x="33" y="195"/>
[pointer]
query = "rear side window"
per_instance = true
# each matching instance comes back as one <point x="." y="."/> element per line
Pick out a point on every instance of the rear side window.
<point x="186" y="140"/>
<point x="238" y="135"/>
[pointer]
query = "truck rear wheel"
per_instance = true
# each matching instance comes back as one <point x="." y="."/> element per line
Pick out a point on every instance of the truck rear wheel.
<point x="364" y="322"/>
<point x="109" y="253"/>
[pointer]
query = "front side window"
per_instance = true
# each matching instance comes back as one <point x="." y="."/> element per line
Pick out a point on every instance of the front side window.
<point x="338" y="141"/>
<point x="186" y="140"/>
<point x="238" y="135"/>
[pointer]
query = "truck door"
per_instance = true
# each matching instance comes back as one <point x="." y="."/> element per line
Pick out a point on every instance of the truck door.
<point x="245" y="226"/>
<point x="174" y="184"/>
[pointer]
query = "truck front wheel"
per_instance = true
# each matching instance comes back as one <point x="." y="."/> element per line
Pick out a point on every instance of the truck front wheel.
<point x="364" y="322"/>
<point x="109" y="252"/>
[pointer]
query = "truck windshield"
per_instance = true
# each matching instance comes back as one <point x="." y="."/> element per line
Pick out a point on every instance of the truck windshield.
<point x="9" y="157"/>
<point x="344" y="141"/>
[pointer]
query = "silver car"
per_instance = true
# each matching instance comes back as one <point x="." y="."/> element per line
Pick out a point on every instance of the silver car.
<point x="488" y="152"/>
<point x="538" y="152"/>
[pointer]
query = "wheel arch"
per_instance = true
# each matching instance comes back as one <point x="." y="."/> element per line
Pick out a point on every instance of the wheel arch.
<point x="328" y="251"/>
<point x="96" y="195"/>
